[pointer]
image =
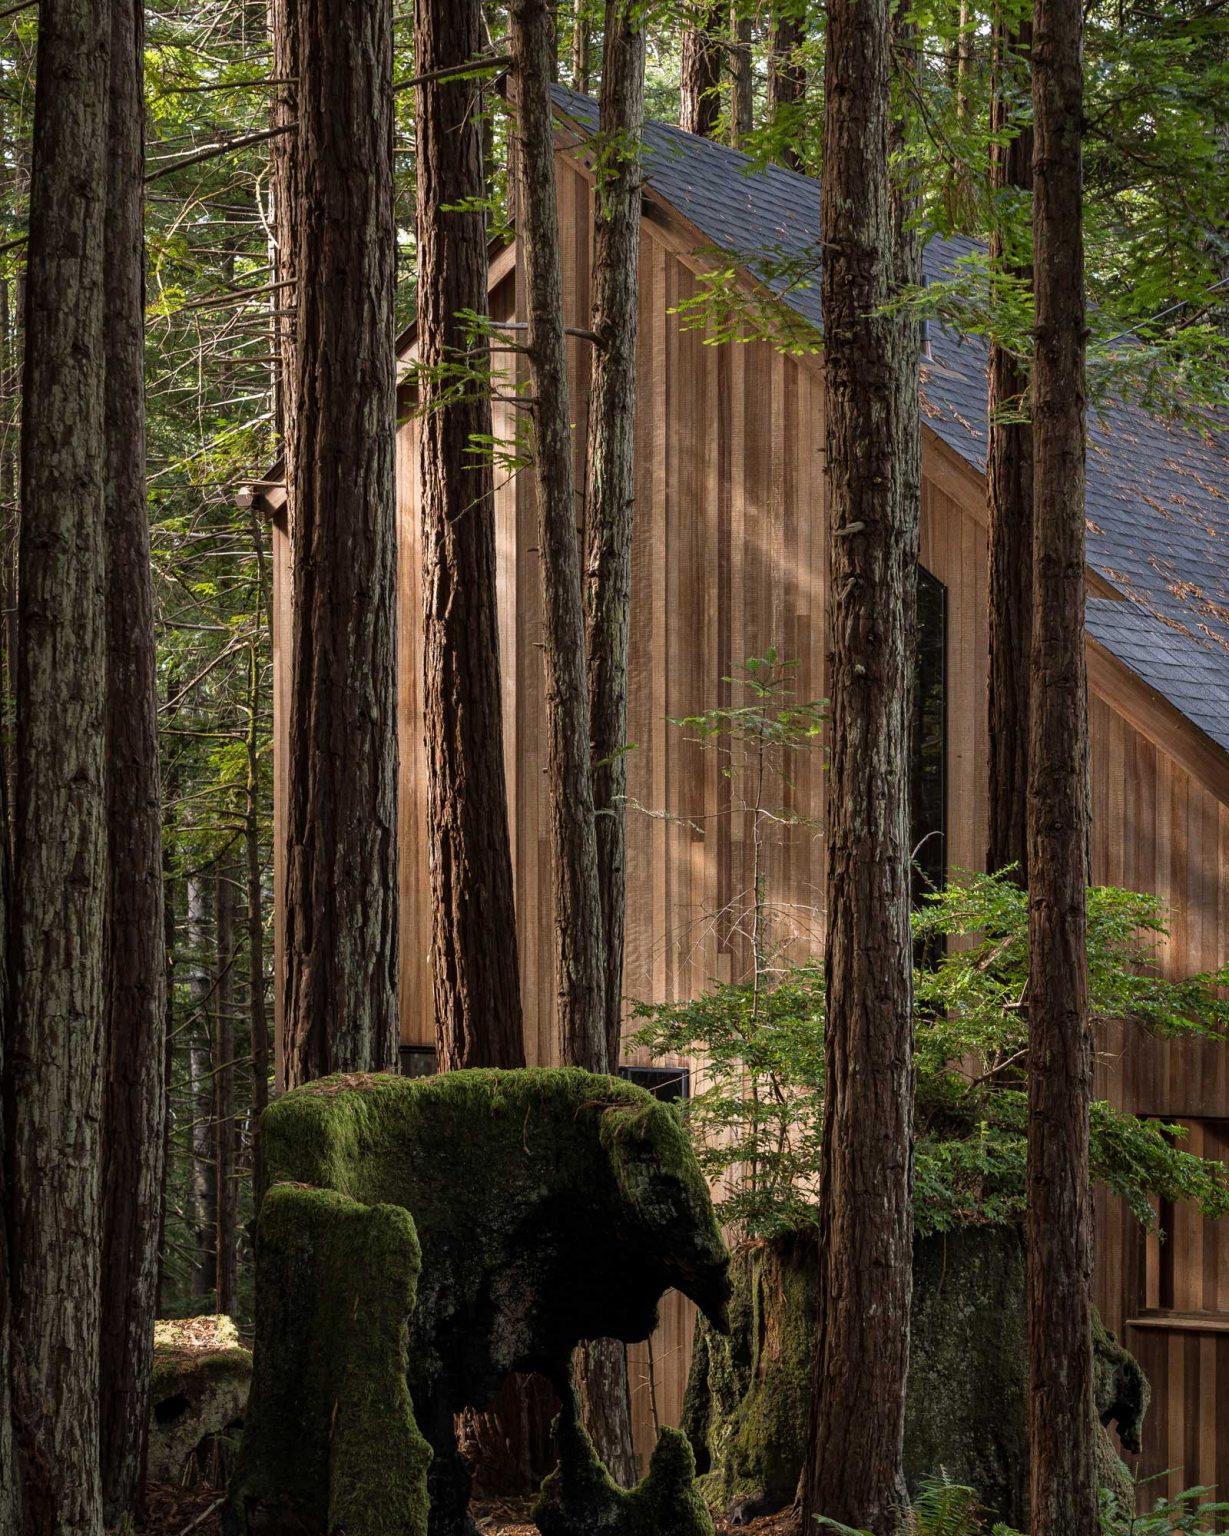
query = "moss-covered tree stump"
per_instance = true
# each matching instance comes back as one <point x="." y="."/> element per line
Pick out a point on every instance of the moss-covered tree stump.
<point x="331" y="1444"/>
<point x="201" y="1377"/>
<point x="551" y="1206"/>
<point x="747" y="1405"/>
<point x="581" y="1499"/>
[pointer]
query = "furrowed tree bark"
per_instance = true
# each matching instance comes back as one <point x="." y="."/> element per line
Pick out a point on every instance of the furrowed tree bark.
<point x="475" y="969"/>
<point x="10" y="1493"/>
<point x="609" y="501"/>
<point x="579" y="962"/>
<point x="582" y="45"/>
<point x="258" y="1025"/>
<point x="202" y="1186"/>
<point x="135" y="1091"/>
<point x="1009" y="477"/>
<point x="610" y="487"/>
<point x="787" y="76"/>
<point x="854" y="1466"/>
<point x="284" y="163"/>
<point x="700" y="70"/>
<point x="742" y="93"/>
<point x="1064" y="1493"/>
<point x="226" y="1205"/>
<point x="58" y="1040"/>
<point x="341" y="903"/>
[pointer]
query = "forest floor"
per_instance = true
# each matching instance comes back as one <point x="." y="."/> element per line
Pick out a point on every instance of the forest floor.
<point x="198" y="1512"/>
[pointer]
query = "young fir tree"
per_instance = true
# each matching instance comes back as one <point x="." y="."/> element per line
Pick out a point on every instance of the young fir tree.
<point x="854" y="1468"/>
<point x="57" y="1044"/>
<point x="341" y="887"/>
<point x="1063" y="1488"/>
<point x="134" y="1109"/>
<point x="474" y="965"/>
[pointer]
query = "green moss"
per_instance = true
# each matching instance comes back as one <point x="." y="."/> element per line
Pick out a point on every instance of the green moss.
<point x="580" y="1193"/>
<point x="1120" y="1389"/>
<point x="581" y="1499"/>
<point x="330" y="1442"/>
<point x="199" y="1390"/>
<point x="551" y="1205"/>
<point x="967" y="1404"/>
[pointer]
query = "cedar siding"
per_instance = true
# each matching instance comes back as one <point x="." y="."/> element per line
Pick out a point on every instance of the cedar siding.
<point x="729" y="560"/>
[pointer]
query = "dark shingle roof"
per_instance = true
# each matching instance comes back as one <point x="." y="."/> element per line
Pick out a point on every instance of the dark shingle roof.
<point x="1158" y="495"/>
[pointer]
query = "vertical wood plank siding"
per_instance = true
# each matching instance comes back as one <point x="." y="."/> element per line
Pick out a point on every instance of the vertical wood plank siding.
<point x="729" y="560"/>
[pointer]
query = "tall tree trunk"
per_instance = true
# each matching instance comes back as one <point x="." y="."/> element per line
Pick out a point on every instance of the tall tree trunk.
<point x="58" y="1039"/>
<point x="609" y="499"/>
<point x="226" y="1189"/>
<point x="610" y="487"/>
<point x="742" y="94"/>
<point x="202" y="1186"/>
<point x="1064" y="1497"/>
<point x="1009" y="479"/>
<point x="135" y="1106"/>
<point x="257" y="1015"/>
<point x="582" y="45"/>
<point x="787" y="78"/>
<point x="10" y="1492"/>
<point x="579" y="964"/>
<point x="287" y="201"/>
<point x="700" y="70"/>
<point x="475" y="970"/>
<point x="341" y="900"/>
<point x="169" y="932"/>
<point x="854" y="1466"/>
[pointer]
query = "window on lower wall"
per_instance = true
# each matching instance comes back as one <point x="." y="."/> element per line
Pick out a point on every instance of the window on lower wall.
<point x="1188" y="1270"/>
<point x="928" y="746"/>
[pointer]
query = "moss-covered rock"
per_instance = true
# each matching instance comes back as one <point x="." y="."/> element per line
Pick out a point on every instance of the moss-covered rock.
<point x="331" y="1444"/>
<point x="581" y="1499"/>
<point x="201" y="1376"/>
<point x="746" y="1410"/>
<point x="551" y="1205"/>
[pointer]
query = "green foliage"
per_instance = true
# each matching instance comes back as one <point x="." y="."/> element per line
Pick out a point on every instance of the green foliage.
<point x="1190" y="1513"/>
<point x="757" y="1119"/>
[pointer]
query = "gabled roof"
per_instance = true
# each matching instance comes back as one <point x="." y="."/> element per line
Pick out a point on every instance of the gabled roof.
<point x="1158" y="495"/>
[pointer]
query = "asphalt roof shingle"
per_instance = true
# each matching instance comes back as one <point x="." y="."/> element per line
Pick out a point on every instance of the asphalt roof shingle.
<point x="1157" y="494"/>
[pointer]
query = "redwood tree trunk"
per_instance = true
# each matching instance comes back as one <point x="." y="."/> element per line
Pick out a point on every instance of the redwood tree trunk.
<point x="787" y="77"/>
<point x="135" y="1092"/>
<point x="341" y="901"/>
<point x="1064" y="1497"/>
<point x="854" y="1467"/>
<point x="579" y="963"/>
<point x="57" y="1045"/>
<point x="582" y="44"/>
<point x="226" y="1206"/>
<point x="1009" y="485"/>
<point x="258" y="1026"/>
<point x="742" y="95"/>
<point x="610" y="488"/>
<point x="700" y="71"/>
<point x="475" y="970"/>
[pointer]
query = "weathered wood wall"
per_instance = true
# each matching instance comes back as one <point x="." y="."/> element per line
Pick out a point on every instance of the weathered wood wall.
<point x="729" y="561"/>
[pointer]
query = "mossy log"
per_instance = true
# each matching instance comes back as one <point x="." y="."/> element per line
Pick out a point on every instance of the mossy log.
<point x="331" y="1444"/>
<point x="748" y="1396"/>
<point x="199" y="1393"/>
<point x="551" y="1206"/>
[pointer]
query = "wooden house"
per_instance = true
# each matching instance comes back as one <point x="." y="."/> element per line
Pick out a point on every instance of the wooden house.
<point x="730" y="561"/>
